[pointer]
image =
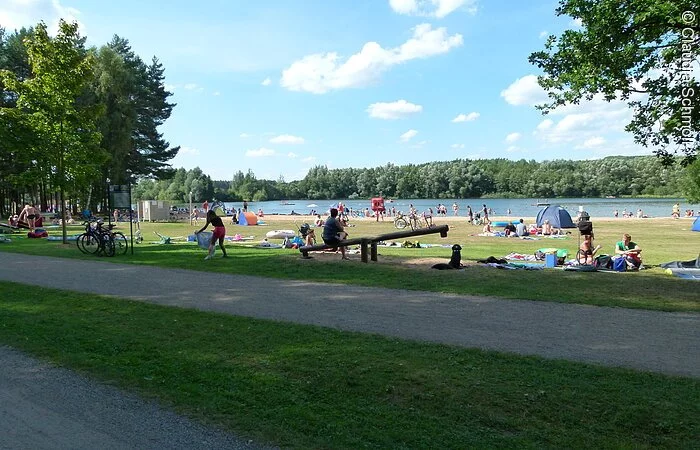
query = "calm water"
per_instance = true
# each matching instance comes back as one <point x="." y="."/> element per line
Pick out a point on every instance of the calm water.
<point x="596" y="207"/>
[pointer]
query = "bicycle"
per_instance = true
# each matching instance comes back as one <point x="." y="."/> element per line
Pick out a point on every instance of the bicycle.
<point x="97" y="240"/>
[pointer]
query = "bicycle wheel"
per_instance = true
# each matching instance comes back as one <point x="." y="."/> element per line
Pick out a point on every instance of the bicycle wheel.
<point x="581" y="257"/>
<point x="400" y="223"/>
<point x="89" y="244"/>
<point x="78" y="244"/>
<point x="121" y="245"/>
<point x="107" y="246"/>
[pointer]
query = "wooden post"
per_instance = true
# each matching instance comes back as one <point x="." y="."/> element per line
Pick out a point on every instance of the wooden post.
<point x="363" y="250"/>
<point x="373" y="251"/>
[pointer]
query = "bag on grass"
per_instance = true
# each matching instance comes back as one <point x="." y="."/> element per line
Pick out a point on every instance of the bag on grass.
<point x="620" y="264"/>
<point x="603" y="262"/>
<point x="204" y="238"/>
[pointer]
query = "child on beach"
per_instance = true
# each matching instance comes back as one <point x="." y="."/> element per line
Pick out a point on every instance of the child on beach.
<point x="219" y="233"/>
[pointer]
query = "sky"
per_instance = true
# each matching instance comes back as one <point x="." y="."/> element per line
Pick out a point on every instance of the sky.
<point x="280" y="86"/>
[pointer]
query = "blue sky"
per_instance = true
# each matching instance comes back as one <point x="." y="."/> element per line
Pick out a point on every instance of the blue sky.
<point x="280" y="86"/>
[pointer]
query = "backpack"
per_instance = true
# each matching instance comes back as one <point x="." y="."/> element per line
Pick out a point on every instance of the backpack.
<point x="602" y="262"/>
<point x="619" y="264"/>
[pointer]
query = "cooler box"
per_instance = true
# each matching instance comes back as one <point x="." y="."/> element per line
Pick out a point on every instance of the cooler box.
<point x="550" y="260"/>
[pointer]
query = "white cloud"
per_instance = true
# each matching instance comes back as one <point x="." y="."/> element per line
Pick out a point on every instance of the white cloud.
<point x="266" y="82"/>
<point x="245" y="135"/>
<point x="166" y="86"/>
<point x="322" y="72"/>
<point x="545" y="125"/>
<point x="587" y="121"/>
<point x="407" y="136"/>
<point x="576" y="23"/>
<point x="432" y="8"/>
<point x="15" y="14"/>
<point x="525" y="91"/>
<point x="188" y="151"/>
<point x="466" y="117"/>
<point x="393" y="110"/>
<point x="513" y="137"/>
<point x="543" y="34"/>
<point x="403" y="6"/>
<point x="595" y="141"/>
<point x="287" y="139"/>
<point x="419" y="144"/>
<point x="193" y="87"/>
<point x="292" y="155"/>
<point x="260" y="152"/>
<point x="457" y="146"/>
<point x="216" y="93"/>
<point x="513" y="149"/>
<point x="309" y="159"/>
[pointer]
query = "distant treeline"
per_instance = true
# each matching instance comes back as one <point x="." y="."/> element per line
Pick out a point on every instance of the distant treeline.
<point x="611" y="176"/>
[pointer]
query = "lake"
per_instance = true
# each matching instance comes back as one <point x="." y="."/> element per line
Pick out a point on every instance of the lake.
<point x="525" y="207"/>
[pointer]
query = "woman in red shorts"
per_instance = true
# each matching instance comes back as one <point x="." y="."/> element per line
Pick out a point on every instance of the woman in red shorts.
<point x="219" y="233"/>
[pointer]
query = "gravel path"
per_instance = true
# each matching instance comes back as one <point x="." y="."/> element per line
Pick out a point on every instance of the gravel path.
<point x="646" y="340"/>
<point x="44" y="407"/>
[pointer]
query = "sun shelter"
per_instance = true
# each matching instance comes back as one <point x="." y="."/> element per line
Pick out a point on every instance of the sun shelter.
<point x="696" y="225"/>
<point x="558" y="217"/>
<point x="247" y="218"/>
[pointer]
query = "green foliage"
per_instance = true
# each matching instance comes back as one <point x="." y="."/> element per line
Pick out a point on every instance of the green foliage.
<point x="617" y="176"/>
<point x="639" y="51"/>
<point x="51" y="103"/>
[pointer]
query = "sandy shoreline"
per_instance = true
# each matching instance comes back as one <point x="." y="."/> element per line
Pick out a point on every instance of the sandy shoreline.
<point x="272" y="218"/>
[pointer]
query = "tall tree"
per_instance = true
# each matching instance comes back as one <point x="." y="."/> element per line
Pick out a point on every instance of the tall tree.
<point x="51" y="99"/>
<point x="639" y="51"/>
<point x="141" y="103"/>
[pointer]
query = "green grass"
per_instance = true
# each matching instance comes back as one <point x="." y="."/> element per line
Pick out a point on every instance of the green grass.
<point x="308" y="387"/>
<point x="662" y="240"/>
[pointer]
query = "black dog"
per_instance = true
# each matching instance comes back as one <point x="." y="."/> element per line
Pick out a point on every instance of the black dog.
<point x="455" y="260"/>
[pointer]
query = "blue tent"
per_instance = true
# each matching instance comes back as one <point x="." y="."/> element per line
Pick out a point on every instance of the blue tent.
<point x="558" y="217"/>
<point x="696" y="225"/>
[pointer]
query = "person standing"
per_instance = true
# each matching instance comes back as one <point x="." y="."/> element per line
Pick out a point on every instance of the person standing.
<point x="28" y="215"/>
<point x="217" y="235"/>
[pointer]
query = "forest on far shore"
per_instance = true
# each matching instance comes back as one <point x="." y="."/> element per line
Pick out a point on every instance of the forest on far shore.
<point x="461" y="178"/>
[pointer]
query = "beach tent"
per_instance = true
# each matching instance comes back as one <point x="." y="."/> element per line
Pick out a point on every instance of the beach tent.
<point x="247" y="218"/>
<point x="558" y="217"/>
<point x="696" y="225"/>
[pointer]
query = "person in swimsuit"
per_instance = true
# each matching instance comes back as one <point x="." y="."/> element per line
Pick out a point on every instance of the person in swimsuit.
<point x="28" y="214"/>
<point x="219" y="233"/>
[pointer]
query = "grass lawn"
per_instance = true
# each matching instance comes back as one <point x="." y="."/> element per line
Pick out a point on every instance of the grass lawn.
<point x="661" y="239"/>
<point x="308" y="387"/>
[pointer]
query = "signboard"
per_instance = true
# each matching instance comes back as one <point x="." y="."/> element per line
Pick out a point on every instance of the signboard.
<point x="119" y="196"/>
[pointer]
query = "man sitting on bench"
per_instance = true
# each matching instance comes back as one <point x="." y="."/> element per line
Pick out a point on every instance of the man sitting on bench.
<point x="333" y="232"/>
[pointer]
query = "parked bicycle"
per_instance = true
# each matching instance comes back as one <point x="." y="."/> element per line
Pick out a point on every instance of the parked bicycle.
<point x="97" y="240"/>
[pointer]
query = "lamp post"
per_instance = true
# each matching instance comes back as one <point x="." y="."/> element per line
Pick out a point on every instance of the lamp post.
<point x="190" y="210"/>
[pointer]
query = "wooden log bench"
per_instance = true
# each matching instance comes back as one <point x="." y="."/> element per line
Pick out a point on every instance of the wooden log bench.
<point x="368" y="244"/>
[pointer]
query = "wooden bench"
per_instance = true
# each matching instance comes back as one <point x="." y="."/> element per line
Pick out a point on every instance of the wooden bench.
<point x="368" y="245"/>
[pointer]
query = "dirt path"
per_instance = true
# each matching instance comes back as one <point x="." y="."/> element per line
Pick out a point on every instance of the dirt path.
<point x="645" y="340"/>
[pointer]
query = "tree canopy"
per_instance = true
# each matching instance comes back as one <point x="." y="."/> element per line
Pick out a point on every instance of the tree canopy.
<point x="640" y="51"/>
<point x="73" y="117"/>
